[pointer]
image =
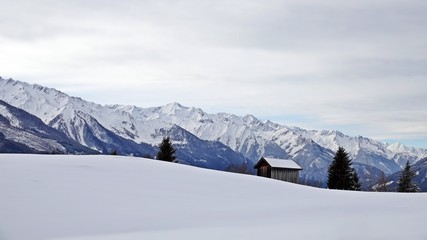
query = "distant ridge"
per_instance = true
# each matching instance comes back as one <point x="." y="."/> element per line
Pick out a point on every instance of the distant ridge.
<point x="228" y="139"/>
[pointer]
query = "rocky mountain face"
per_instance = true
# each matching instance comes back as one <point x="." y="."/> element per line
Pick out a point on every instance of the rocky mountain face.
<point x="203" y="139"/>
<point x="84" y="122"/>
<point x="420" y="169"/>
<point x="21" y="132"/>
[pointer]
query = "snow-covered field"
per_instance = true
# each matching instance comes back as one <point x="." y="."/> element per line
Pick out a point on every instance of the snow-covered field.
<point x="121" y="198"/>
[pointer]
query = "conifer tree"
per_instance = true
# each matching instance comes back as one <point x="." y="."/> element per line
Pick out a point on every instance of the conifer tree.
<point x="405" y="181"/>
<point x="340" y="173"/>
<point x="355" y="185"/>
<point x="166" y="152"/>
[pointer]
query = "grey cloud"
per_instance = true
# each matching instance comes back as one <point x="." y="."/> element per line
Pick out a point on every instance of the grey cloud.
<point x="332" y="62"/>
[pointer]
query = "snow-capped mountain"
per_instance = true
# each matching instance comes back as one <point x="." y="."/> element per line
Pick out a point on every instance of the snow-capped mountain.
<point x="420" y="170"/>
<point x="247" y="135"/>
<point x="21" y="132"/>
<point x="106" y="128"/>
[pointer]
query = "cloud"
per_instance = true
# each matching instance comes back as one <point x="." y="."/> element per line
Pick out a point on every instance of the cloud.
<point x="359" y="66"/>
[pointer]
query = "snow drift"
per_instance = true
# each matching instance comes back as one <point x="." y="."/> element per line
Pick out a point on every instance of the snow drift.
<point x="111" y="197"/>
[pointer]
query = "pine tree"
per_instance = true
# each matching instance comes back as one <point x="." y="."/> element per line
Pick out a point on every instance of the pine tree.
<point x="166" y="152"/>
<point x="355" y="185"/>
<point x="340" y="173"/>
<point x="405" y="181"/>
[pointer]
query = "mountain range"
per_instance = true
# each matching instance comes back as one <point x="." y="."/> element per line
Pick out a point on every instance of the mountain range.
<point x="215" y="141"/>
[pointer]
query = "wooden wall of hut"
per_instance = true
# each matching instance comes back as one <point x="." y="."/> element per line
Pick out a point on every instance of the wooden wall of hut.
<point x="288" y="175"/>
<point x="264" y="171"/>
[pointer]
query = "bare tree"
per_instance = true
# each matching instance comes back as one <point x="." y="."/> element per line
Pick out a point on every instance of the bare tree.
<point x="382" y="184"/>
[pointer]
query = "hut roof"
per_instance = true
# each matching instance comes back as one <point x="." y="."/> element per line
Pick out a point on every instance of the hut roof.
<point x="279" y="163"/>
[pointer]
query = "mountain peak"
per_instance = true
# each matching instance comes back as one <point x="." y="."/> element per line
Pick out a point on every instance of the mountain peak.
<point x="172" y="108"/>
<point x="174" y="104"/>
<point x="250" y="118"/>
<point x="398" y="147"/>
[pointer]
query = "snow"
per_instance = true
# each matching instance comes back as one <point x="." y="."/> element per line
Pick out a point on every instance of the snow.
<point x="282" y="163"/>
<point x="12" y="120"/>
<point x="119" y="198"/>
<point x="31" y="140"/>
<point x="398" y="147"/>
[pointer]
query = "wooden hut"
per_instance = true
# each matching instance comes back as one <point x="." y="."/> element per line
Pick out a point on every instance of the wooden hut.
<point x="280" y="169"/>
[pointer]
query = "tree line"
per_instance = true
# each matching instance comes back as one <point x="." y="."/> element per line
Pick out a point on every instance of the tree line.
<point x="341" y="175"/>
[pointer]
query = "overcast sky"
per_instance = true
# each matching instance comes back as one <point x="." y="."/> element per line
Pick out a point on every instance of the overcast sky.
<point x="358" y="66"/>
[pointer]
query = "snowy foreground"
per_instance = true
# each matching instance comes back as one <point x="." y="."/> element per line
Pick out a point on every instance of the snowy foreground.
<point x="121" y="198"/>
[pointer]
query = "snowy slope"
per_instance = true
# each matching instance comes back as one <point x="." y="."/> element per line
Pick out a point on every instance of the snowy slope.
<point x="246" y="135"/>
<point x="24" y="133"/>
<point x="121" y="198"/>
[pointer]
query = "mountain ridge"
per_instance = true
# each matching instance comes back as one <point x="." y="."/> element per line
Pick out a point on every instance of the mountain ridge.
<point x="246" y="135"/>
<point x="22" y="132"/>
